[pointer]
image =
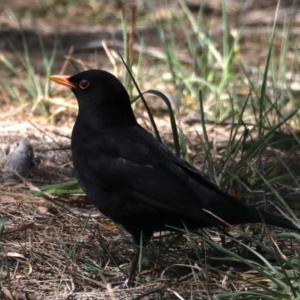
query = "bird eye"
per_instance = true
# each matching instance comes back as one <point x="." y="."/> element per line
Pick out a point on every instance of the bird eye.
<point x="83" y="84"/>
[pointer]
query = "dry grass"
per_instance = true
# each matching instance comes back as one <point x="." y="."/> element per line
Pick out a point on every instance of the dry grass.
<point x="65" y="249"/>
<point x="59" y="252"/>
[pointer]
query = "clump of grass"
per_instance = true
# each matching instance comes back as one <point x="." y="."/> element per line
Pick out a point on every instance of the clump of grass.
<point x="33" y="89"/>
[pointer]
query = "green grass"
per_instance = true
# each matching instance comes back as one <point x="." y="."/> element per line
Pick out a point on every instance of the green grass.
<point x="33" y="88"/>
<point x="210" y="85"/>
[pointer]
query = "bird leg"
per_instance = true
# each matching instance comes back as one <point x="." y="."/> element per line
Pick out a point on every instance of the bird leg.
<point x="140" y="238"/>
<point x="128" y="282"/>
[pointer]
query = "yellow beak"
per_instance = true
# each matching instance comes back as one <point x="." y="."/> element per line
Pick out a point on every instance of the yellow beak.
<point x="62" y="79"/>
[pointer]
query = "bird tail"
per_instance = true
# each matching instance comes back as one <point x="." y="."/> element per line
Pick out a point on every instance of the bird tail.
<point x="276" y="220"/>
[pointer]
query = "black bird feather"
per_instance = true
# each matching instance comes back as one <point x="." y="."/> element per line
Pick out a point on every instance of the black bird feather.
<point x="135" y="180"/>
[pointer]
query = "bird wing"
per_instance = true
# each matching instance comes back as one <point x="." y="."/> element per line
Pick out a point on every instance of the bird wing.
<point x="135" y="165"/>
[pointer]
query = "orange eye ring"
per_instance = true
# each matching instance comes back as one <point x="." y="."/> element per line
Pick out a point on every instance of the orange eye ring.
<point x="83" y="84"/>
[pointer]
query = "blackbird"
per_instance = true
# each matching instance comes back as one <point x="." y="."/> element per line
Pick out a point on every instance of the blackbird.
<point x="134" y="179"/>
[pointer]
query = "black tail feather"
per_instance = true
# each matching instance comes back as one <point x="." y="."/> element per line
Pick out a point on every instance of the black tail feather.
<point x="276" y="220"/>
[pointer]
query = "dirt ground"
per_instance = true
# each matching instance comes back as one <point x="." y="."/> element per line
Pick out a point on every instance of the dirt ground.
<point x="42" y="238"/>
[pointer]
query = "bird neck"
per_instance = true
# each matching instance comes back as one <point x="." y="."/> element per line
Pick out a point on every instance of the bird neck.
<point x="107" y="117"/>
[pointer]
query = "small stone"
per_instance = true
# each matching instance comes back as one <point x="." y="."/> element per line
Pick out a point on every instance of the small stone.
<point x="19" y="160"/>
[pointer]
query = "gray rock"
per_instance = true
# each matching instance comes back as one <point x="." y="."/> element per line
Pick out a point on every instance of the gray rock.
<point x="19" y="160"/>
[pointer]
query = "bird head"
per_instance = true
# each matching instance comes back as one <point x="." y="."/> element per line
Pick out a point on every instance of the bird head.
<point x="101" y="93"/>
